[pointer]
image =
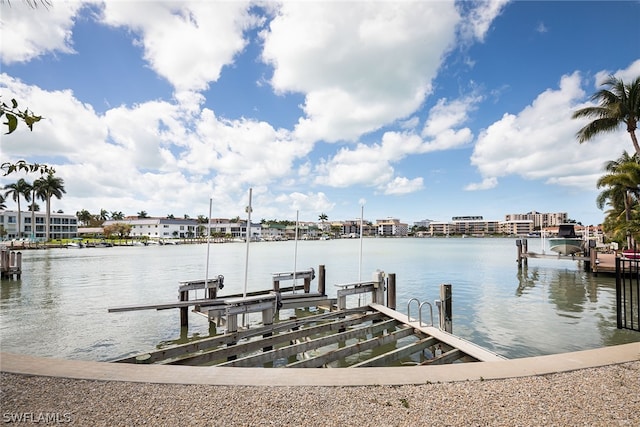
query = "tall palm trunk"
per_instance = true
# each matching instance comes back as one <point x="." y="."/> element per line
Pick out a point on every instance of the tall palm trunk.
<point x="48" y="221"/>
<point x="33" y="212"/>
<point x="19" y="233"/>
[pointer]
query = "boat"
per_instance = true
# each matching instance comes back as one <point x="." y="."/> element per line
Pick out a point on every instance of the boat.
<point x="566" y="242"/>
<point x="630" y="254"/>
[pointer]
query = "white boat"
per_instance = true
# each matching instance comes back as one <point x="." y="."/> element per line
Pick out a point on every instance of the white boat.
<point x="567" y="242"/>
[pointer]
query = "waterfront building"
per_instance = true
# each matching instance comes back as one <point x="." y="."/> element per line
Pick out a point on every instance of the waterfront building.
<point x="423" y="224"/>
<point x="237" y="229"/>
<point x="517" y="227"/>
<point x="273" y="231"/>
<point x="158" y="228"/>
<point x="391" y="227"/>
<point x="61" y="226"/>
<point x="540" y="220"/>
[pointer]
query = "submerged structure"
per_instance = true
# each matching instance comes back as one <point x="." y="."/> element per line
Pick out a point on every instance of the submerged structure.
<point x="294" y="327"/>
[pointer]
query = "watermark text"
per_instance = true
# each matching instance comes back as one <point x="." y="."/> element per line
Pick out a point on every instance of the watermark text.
<point x="37" y="417"/>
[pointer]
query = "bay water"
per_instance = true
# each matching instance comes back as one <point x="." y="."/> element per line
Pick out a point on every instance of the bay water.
<point x="59" y="306"/>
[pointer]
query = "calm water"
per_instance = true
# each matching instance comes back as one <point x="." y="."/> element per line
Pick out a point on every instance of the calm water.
<point x="59" y="308"/>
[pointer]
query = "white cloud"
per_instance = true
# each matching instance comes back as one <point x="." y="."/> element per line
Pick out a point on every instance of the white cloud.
<point x="479" y="18"/>
<point x="486" y="184"/>
<point x="371" y="165"/>
<point x="540" y="143"/>
<point x="627" y="75"/>
<point x="187" y="43"/>
<point x="360" y="65"/>
<point x="541" y="28"/>
<point x="309" y="204"/>
<point x="401" y="185"/>
<point x="28" y="33"/>
<point x="151" y="156"/>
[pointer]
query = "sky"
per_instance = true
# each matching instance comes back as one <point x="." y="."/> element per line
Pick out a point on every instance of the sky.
<point x="406" y="109"/>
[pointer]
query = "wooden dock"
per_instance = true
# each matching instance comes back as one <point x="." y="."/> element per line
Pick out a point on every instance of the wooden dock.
<point x="335" y="334"/>
<point x="593" y="260"/>
<point x="10" y="264"/>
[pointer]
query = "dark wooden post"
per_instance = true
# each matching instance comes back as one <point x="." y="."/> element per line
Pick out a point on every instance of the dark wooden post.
<point x="212" y="292"/>
<point x="446" y="321"/>
<point x="184" y="311"/>
<point x="307" y="285"/>
<point x="519" y="258"/>
<point x="592" y="264"/>
<point x="391" y="291"/>
<point x="321" y="280"/>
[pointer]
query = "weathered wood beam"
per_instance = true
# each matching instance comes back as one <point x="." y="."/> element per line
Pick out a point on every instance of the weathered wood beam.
<point x="352" y="349"/>
<point x="402" y="352"/>
<point x="260" y="359"/>
<point x="272" y="341"/>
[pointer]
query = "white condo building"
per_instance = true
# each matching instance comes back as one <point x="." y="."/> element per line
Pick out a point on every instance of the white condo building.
<point x="61" y="226"/>
<point x="159" y="228"/>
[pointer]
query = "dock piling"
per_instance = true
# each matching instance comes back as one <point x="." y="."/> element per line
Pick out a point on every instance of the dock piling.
<point x="391" y="291"/>
<point x="10" y="264"/>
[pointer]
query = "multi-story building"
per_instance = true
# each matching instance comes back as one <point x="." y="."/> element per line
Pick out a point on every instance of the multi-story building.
<point x="391" y="227"/>
<point x="439" y="228"/>
<point x="473" y="226"/>
<point x="540" y="220"/>
<point x="61" y="226"/>
<point x="159" y="228"/>
<point x="516" y="227"/>
<point x="236" y="229"/>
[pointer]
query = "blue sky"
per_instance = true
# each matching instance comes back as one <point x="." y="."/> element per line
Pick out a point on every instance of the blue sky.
<point x="416" y="109"/>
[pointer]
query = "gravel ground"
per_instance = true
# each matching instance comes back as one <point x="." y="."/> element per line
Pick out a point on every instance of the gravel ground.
<point x="606" y="396"/>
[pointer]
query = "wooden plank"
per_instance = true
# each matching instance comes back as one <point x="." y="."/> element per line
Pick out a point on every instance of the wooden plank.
<point x="218" y="340"/>
<point x="352" y="349"/>
<point x="248" y="307"/>
<point x="354" y="284"/>
<point x="197" y="285"/>
<point x="448" y="357"/>
<point x="467" y="347"/>
<point x="249" y="299"/>
<point x="272" y="341"/>
<point x="261" y="359"/>
<point x="306" y="274"/>
<point x="397" y="354"/>
<point x="165" y="306"/>
<point x="307" y="302"/>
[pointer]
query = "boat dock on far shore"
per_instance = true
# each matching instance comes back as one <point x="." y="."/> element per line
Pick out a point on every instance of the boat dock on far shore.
<point x="593" y="260"/>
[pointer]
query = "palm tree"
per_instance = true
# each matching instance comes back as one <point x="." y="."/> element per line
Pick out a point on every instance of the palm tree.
<point x="622" y="193"/>
<point x="15" y="190"/>
<point x="618" y="103"/>
<point x="143" y="214"/>
<point x="50" y="186"/>
<point x="103" y="215"/>
<point x="84" y="216"/>
<point x="2" y="205"/>
<point x="117" y="216"/>
<point x="323" y="217"/>
<point x="35" y="191"/>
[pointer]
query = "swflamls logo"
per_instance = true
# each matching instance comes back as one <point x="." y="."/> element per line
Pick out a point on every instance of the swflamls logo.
<point x="36" y="417"/>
